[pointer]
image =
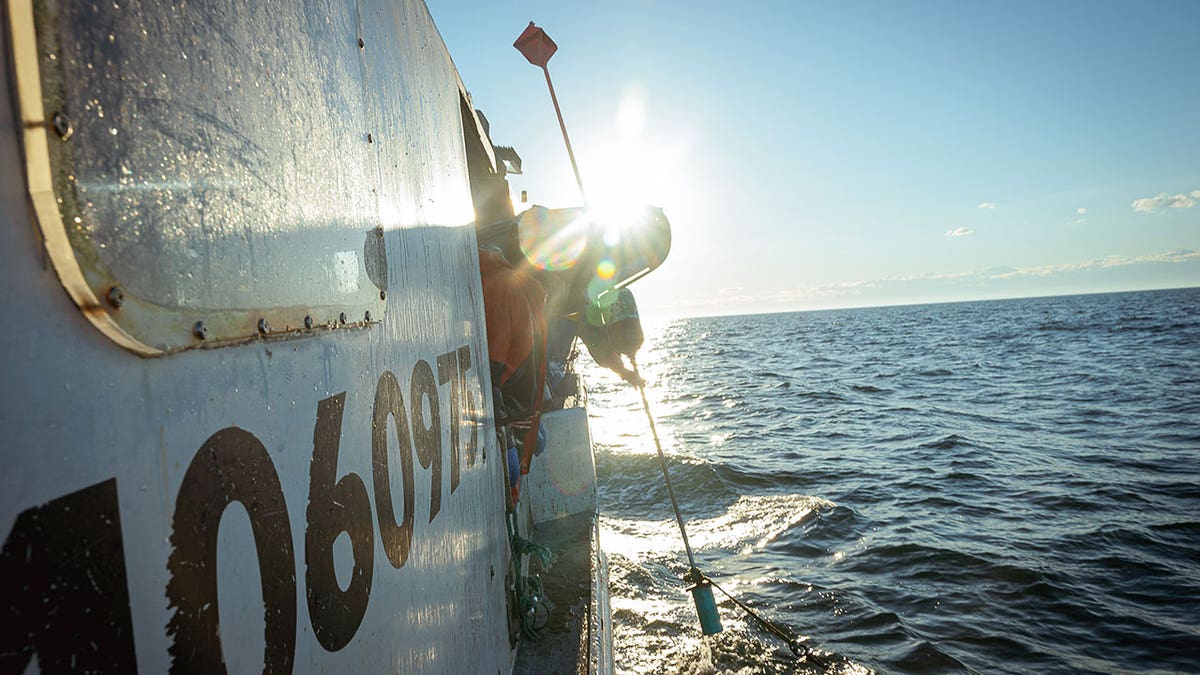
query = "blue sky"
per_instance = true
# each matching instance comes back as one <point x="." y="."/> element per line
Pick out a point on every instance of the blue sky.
<point x="816" y="155"/>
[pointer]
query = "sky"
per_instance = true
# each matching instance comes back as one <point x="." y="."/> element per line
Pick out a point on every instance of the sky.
<point x="819" y="155"/>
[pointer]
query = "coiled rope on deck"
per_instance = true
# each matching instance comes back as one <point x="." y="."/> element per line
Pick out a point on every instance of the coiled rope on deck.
<point x="798" y="648"/>
<point x="527" y="591"/>
<point x="531" y="594"/>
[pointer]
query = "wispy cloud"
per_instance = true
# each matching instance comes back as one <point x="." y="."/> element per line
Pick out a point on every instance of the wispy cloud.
<point x="1081" y="211"/>
<point x="1177" y="256"/>
<point x="1183" y="255"/>
<point x="986" y="205"/>
<point x="1164" y="200"/>
<point x="1161" y="270"/>
<point x="959" y="232"/>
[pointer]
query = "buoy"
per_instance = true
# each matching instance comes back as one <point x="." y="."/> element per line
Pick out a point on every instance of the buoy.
<point x="701" y="588"/>
<point x="514" y="473"/>
<point x="706" y="607"/>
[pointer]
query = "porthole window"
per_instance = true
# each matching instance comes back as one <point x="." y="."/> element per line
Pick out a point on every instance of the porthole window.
<point x="239" y="177"/>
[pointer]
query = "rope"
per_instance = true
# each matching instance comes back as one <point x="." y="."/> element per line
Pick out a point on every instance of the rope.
<point x="662" y="460"/>
<point x="530" y="595"/>
<point x="528" y="592"/>
<point x="535" y="612"/>
<point x="798" y="648"/>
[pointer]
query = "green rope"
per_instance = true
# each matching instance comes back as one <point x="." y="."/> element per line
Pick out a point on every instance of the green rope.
<point x="529" y="593"/>
<point x="522" y="546"/>
<point x="535" y="612"/>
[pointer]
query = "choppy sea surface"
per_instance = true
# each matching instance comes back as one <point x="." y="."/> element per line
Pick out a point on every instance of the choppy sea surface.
<point x="994" y="487"/>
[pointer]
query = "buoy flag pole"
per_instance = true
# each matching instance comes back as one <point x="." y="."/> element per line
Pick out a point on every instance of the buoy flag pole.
<point x="537" y="48"/>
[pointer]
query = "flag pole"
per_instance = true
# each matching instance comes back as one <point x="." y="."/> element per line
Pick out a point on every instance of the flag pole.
<point x="537" y="48"/>
<point x="566" y="139"/>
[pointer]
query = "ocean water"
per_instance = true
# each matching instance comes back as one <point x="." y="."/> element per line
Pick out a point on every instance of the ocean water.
<point x="994" y="487"/>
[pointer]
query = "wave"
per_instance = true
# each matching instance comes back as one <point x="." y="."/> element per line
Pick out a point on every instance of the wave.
<point x="949" y="442"/>
<point x="822" y="396"/>
<point x="1060" y="326"/>
<point x="989" y="487"/>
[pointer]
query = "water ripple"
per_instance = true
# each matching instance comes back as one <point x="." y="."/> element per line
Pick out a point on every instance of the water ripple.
<point x="999" y="487"/>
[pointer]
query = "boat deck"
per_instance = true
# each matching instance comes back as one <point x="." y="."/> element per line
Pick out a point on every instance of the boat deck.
<point x="566" y="645"/>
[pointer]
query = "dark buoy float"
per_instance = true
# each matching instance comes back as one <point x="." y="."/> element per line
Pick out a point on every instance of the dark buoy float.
<point x="706" y="605"/>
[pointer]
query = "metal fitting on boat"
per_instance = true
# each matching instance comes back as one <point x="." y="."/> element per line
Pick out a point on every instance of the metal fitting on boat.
<point x="115" y="297"/>
<point x="62" y="125"/>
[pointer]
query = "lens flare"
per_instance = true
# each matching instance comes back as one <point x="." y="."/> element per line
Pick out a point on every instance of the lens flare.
<point x="553" y="239"/>
<point x="597" y="287"/>
<point x="606" y="269"/>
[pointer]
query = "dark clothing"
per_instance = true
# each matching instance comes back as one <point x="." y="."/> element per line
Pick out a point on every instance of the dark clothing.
<point x="513" y="303"/>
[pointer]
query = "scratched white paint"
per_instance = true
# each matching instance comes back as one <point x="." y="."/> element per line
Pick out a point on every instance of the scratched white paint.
<point x="76" y="409"/>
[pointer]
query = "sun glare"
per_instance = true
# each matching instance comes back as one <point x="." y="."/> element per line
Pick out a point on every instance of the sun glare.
<point x="631" y="113"/>
<point x="634" y="165"/>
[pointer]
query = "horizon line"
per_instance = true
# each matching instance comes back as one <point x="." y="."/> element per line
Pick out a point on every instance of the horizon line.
<point x="931" y="302"/>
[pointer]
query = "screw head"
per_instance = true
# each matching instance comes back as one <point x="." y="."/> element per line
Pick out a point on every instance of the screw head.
<point x="361" y="44"/>
<point x="342" y="317"/>
<point x="62" y="125"/>
<point x="200" y="330"/>
<point x="115" y="297"/>
<point x="367" y="316"/>
<point x="263" y="326"/>
<point x="308" y="322"/>
<point x="383" y="295"/>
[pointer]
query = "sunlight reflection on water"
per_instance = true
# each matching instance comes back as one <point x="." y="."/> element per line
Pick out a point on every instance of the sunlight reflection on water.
<point x="940" y="488"/>
<point x="750" y="523"/>
<point x="654" y="620"/>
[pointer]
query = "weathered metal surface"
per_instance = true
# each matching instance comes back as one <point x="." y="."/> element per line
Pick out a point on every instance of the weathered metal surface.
<point x="562" y="482"/>
<point x="227" y="162"/>
<point x="322" y="504"/>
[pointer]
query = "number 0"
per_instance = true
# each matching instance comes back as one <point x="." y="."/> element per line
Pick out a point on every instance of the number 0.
<point x="231" y="466"/>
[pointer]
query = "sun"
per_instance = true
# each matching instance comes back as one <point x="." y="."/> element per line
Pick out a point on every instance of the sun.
<point x="633" y="166"/>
